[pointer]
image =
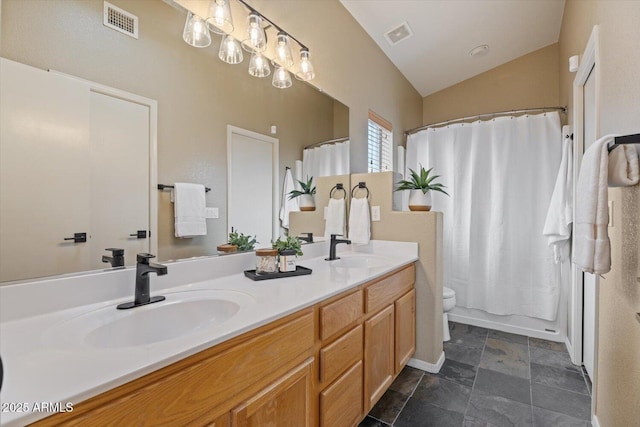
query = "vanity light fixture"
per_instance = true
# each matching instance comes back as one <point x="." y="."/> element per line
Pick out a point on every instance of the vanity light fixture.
<point x="284" y="58"/>
<point x="259" y="65"/>
<point x="230" y="50"/>
<point x="196" y="32"/>
<point x="281" y="78"/>
<point x="220" y="20"/>
<point x="307" y="71"/>
<point x="256" y="40"/>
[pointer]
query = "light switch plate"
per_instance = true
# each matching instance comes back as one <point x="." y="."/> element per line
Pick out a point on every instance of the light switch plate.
<point x="610" y="213"/>
<point x="375" y="213"/>
<point x="211" y="213"/>
<point x="324" y="213"/>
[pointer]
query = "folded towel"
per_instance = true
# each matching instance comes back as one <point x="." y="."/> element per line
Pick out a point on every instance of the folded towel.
<point x="623" y="166"/>
<point x="592" y="250"/>
<point x="557" y="226"/>
<point x="189" y="209"/>
<point x="359" y="221"/>
<point x="288" y="205"/>
<point x="336" y="218"/>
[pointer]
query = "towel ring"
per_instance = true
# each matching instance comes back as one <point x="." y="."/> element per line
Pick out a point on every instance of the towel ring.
<point x="359" y="185"/>
<point x="338" y="186"/>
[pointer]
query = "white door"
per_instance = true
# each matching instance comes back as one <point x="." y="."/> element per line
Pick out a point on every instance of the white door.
<point x="590" y="281"/>
<point x="252" y="188"/>
<point x="120" y="146"/>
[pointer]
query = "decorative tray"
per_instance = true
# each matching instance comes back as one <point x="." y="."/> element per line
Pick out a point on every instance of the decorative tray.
<point x="300" y="271"/>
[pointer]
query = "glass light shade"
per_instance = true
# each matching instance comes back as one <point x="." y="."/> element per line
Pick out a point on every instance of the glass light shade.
<point x="196" y="32"/>
<point x="256" y="40"/>
<point x="306" y="72"/>
<point x="281" y="78"/>
<point x="283" y="58"/>
<point x="259" y="65"/>
<point x="230" y="50"/>
<point x="219" y="19"/>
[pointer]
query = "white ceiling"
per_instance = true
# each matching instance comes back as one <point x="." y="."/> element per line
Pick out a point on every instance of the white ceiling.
<point x="445" y="31"/>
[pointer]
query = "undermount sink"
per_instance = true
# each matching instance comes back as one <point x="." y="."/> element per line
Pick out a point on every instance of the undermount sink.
<point x="181" y="314"/>
<point x="360" y="261"/>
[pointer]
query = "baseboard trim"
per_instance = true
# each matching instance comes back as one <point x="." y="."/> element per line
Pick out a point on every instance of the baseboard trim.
<point x="426" y="366"/>
<point x="594" y="421"/>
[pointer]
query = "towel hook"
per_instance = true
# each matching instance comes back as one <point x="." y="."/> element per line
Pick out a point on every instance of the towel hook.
<point x="361" y="184"/>
<point x="338" y="186"/>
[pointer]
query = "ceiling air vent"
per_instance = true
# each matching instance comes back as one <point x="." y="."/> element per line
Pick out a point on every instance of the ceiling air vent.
<point x="120" y="20"/>
<point x="398" y="34"/>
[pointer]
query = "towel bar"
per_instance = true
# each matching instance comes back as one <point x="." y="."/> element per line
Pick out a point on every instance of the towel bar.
<point x="163" y="186"/>
<point x="627" y="139"/>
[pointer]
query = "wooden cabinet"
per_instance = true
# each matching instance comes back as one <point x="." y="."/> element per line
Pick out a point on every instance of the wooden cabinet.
<point x="405" y="329"/>
<point x="284" y="403"/>
<point x="341" y="404"/>
<point x="378" y="355"/>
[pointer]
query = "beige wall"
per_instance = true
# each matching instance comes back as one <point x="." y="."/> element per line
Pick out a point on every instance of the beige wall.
<point x="618" y="377"/>
<point x="526" y="82"/>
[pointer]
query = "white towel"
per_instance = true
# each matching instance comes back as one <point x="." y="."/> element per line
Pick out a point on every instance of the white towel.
<point x="288" y="205"/>
<point x="623" y="166"/>
<point x="557" y="227"/>
<point x="359" y="221"/>
<point x="592" y="250"/>
<point x="189" y="209"/>
<point x="336" y="218"/>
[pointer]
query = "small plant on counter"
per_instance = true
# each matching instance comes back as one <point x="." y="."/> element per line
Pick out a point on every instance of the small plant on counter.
<point x="305" y="188"/>
<point x="421" y="181"/>
<point x="288" y="243"/>
<point x="244" y="243"/>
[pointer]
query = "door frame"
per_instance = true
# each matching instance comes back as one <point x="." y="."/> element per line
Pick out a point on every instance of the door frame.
<point x="590" y="59"/>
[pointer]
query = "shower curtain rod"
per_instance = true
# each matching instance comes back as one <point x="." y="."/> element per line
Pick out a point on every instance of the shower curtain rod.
<point x="480" y="116"/>
<point x="331" y="141"/>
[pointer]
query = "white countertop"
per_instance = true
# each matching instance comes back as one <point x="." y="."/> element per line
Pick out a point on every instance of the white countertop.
<point x="41" y="365"/>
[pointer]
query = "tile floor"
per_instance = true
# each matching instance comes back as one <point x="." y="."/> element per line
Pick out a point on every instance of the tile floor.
<point x="489" y="378"/>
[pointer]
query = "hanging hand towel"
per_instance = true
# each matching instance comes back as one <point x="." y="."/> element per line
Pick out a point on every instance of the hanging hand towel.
<point x="359" y="221"/>
<point x="189" y="209"/>
<point x="336" y="218"/>
<point x="557" y="227"/>
<point x="288" y="205"/>
<point x="623" y="166"/>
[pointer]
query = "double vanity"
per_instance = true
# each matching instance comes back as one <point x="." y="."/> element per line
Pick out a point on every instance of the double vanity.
<point x="220" y="350"/>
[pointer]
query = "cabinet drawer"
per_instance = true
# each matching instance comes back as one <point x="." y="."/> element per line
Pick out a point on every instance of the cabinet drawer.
<point x="340" y="314"/>
<point x="341" y="354"/>
<point x="341" y="403"/>
<point x="383" y="292"/>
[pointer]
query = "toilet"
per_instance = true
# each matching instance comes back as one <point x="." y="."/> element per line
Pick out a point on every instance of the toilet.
<point x="448" y="302"/>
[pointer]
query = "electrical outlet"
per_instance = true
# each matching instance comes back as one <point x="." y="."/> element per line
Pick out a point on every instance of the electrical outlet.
<point x="375" y="213"/>
<point x="324" y="213"/>
<point x="211" y="213"/>
<point x="610" y="213"/>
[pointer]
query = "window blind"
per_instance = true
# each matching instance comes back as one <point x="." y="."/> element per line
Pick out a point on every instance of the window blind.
<point x="379" y="144"/>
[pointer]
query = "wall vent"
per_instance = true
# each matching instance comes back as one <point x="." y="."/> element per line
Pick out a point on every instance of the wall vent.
<point x="399" y="33"/>
<point x="120" y="20"/>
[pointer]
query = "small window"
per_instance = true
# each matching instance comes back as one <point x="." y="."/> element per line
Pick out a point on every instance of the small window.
<point x="380" y="144"/>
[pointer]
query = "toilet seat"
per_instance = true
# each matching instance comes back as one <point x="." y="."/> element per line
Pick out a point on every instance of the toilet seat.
<point x="448" y="293"/>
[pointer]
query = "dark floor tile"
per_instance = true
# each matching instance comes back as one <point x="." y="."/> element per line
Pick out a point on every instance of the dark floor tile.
<point x="506" y="336"/>
<point x="407" y="380"/>
<point x="471" y="336"/>
<point x="548" y="345"/>
<point x="474" y="422"/>
<point x="552" y="358"/>
<point x="507" y="386"/>
<point x="498" y="411"/>
<point x="545" y="418"/>
<point x="565" y="379"/>
<point x="565" y="402"/>
<point x="389" y="406"/>
<point x="372" y="422"/>
<point x="442" y="393"/>
<point x="420" y="414"/>
<point x="463" y="353"/>
<point x="506" y="357"/>
<point x="460" y="373"/>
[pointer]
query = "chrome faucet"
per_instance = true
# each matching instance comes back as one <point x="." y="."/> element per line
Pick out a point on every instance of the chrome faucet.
<point x="308" y="239"/>
<point x="116" y="259"/>
<point x="332" y="246"/>
<point x="143" y="269"/>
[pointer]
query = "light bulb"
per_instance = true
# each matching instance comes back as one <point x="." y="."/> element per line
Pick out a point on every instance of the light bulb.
<point x="256" y="40"/>
<point x="284" y="57"/>
<point x="220" y="20"/>
<point x="281" y="78"/>
<point x="196" y="32"/>
<point x="230" y="51"/>
<point x="307" y="71"/>
<point x="259" y="66"/>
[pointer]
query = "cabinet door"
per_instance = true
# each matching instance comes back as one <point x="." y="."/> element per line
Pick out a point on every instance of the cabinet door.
<point x="341" y="402"/>
<point x="285" y="403"/>
<point x="378" y="355"/>
<point x="405" y="324"/>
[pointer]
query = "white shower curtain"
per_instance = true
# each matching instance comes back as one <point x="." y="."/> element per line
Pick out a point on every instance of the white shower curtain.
<point x="326" y="160"/>
<point x="500" y="175"/>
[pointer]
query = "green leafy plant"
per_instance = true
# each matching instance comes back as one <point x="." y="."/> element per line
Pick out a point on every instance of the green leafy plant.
<point x="292" y="243"/>
<point x="421" y="181"/>
<point x="244" y="243"/>
<point x="307" y="188"/>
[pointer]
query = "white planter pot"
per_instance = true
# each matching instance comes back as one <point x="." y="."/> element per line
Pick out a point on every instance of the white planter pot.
<point x="419" y="201"/>
<point x="307" y="203"/>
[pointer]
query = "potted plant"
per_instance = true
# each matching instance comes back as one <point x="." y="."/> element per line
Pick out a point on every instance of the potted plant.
<point x="306" y="192"/>
<point x="421" y="186"/>
<point x="288" y="248"/>
<point x="242" y="242"/>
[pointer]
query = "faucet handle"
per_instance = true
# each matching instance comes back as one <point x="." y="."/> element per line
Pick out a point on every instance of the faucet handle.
<point x="116" y="251"/>
<point x="144" y="258"/>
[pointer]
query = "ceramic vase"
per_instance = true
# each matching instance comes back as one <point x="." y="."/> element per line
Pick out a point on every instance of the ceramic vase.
<point x="419" y="201"/>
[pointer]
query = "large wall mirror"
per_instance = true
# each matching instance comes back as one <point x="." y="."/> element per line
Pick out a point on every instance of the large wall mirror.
<point x="197" y="97"/>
